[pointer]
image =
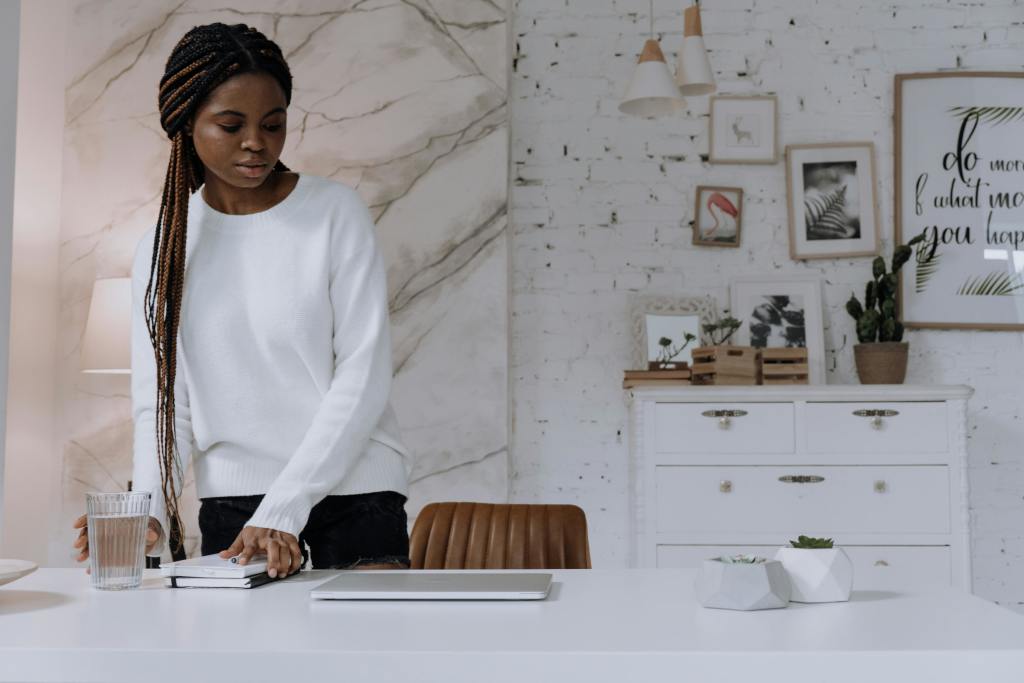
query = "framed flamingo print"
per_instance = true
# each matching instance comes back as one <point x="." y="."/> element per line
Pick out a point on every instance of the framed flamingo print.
<point x="717" y="216"/>
<point x="832" y="207"/>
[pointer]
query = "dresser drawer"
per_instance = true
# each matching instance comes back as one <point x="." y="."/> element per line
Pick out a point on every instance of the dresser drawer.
<point x="802" y="500"/>
<point x="876" y="428"/>
<point x="874" y="567"/>
<point x="723" y="428"/>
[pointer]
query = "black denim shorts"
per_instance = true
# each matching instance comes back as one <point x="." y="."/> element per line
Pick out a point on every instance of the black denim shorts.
<point x="343" y="532"/>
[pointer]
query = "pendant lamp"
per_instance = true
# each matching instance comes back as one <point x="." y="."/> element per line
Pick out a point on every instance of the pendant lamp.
<point x="693" y="71"/>
<point x="651" y="91"/>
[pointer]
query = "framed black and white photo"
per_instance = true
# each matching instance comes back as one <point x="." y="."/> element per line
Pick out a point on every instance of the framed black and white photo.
<point x="781" y="312"/>
<point x="959" y="180"/>
<point x="743" y="130"/>
<point x="717" y="216"/>
<point x="831" y="195"/>
<point x="656" y="318"/>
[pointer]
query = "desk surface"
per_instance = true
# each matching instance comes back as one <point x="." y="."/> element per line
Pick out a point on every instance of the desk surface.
<point x="596" y="625"/>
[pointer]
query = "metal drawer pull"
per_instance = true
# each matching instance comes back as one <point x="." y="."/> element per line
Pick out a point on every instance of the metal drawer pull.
<point x="876" y="415"/>
<point x="881" y="486"/>
<point x="801" y="479"/>
<point x="725" y="486"/>
<point x="724" y="416"/>
<point x="881" y="563"/>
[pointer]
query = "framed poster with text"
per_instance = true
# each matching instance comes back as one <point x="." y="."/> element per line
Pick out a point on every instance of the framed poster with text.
<point x="960" y="181"/>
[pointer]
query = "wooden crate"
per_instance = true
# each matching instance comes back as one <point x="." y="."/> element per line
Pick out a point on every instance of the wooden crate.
<point x="784" y="366"/>
<point x="726" y="365"/>
<point x="654" y="378"/>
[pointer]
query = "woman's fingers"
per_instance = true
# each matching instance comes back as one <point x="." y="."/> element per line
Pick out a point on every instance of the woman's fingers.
<point x="295" y="551"/>
<point x="234" y="549"/>
<point x="272" y="559"/>
<point x="79" y="523"/>
<point x="82" y="542"/>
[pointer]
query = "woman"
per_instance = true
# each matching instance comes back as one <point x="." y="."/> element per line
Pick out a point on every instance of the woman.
<point x="261" y="341"/>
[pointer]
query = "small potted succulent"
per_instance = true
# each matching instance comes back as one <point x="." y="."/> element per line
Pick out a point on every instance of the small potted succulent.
<point x="881" y="355"/>
<point x="818" y="570"/>
<point x="742" y="582"/>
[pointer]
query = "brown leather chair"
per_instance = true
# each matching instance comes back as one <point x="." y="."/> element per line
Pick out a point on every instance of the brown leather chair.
<point x="490" y="536"/>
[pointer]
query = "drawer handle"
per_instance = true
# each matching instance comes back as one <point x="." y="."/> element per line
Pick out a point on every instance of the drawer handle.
<point x="801" y="479"/>
<point x="724" y="416"/>
<point x="876" y="415"/>
<point x="881" y="563"/>
<point x="725" y="486"/>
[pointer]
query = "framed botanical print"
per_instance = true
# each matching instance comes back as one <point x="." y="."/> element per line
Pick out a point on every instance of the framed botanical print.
<point x="959" y="181"/>
<point x="781" y="312"/>
<point x="743" y="130"/>
<point x="656" y="318"/>
<point x="831" y="195"/>
<point x="717" y="216"/>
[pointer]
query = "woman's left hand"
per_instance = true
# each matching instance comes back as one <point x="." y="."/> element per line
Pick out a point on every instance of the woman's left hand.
<point x="284" y="556"/>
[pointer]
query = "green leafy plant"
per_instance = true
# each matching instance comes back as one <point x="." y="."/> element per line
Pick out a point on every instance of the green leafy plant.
<point x="813" y="543"/>
<point x="720" y="331"/>
<point x="876" y="318"/>
<point x="668" y="351"/>
<point x="741" y="559"/>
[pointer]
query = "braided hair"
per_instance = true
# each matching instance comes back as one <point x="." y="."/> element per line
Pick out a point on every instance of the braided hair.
<point x="203" y="59"/>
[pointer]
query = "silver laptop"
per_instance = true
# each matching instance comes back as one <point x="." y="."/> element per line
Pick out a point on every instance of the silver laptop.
<point x="423" y="585"/>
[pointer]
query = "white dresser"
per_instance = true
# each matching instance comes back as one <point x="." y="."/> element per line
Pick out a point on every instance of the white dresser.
<point x="880" y="469"/>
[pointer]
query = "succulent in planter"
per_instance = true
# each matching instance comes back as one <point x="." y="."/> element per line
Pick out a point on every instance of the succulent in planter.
<point x="669" y="351"/>
<point x="881" y="355"/>
<point x="720" y="331"/>
<point x="741" y="559"/>
<point x="819" y="571"/>
<point x="742" y="582"/>
<point x="809" y="542"/>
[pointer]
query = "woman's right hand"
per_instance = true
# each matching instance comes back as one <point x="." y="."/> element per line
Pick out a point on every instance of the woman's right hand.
<point x="154" y="533"/>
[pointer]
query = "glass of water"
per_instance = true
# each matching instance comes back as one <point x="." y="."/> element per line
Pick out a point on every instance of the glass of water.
<point x="117" y="538"/>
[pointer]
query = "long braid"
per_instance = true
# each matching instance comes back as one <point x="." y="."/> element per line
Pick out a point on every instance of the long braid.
<point x="204" y="58"/>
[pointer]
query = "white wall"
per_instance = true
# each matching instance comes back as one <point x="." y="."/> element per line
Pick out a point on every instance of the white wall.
<point x="8" y="114"/>
<point x="32" y="488"/>
<point x="601" y="205"/>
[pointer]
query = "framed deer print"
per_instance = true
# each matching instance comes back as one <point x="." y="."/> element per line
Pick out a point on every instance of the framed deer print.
<point x="831" y="194"/>
<point x="743" y="130"/>
<point x="959" y="181"/>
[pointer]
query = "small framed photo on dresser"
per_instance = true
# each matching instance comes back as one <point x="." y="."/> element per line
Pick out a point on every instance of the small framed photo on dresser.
<point x="717" y="216"/>
<point x="831" y="196"/>
<point x="743" y="130"/>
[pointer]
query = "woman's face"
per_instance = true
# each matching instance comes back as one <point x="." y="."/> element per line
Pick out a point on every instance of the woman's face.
<point x="239" y="130"/>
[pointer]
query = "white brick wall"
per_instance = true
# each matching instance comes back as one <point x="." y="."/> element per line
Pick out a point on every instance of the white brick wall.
<point x="601" y="205"/>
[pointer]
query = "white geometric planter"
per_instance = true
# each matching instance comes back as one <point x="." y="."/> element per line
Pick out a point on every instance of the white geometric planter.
<point x="742" y="586"/>
<point x="817" y="574"/>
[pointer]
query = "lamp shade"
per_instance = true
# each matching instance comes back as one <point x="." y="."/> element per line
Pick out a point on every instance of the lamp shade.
<point x="106" y="346"/>
<point x="693" y="70"/>
<point x="651" y="91"/>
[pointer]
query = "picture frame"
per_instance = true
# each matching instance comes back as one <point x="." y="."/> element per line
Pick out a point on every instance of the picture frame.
<point x="743" y="129"/>
<point x="771" y="309"/>
<point x="701" y="311"/>
<point x="717" y="216"/>
<point x="958" y="135"/>
<point x="833" y="206"/>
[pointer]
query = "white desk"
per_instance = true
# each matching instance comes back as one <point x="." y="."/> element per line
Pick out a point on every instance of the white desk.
<point x="599" y="625"/>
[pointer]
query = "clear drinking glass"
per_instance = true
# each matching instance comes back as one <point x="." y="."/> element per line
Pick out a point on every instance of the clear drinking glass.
<point x="117" y="538"/>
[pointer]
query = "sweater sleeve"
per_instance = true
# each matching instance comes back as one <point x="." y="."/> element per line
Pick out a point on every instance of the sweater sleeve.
<point x="360" y="387"/>
<point x="145" y="456"/>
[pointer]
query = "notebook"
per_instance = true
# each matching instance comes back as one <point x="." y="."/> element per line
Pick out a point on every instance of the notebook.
<point x="213" y="566"/>
<point x="422" y="585"/>
<point x="212" y="582"/>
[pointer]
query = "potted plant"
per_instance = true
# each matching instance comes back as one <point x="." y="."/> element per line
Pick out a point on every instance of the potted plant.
<point x="881" y="355"/>
<point x="721" y="363"/>
<point x="742" y="582"/>
<point x="667" y="353"/>
<point x="818" y="570"/>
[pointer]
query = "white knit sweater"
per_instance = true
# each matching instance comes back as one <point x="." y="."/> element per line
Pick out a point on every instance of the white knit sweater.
<point x="284" y="357"/>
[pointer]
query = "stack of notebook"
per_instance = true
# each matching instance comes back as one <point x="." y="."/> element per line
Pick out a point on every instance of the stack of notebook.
<point x="210" y="571"/>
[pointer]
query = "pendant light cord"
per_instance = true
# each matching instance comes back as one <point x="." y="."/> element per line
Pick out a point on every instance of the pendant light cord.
<point x="652" y="18"/>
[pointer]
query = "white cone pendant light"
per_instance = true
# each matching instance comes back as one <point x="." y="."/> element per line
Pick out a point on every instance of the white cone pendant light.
<point x="651" y="91"/>
<point x="693" y="71"/>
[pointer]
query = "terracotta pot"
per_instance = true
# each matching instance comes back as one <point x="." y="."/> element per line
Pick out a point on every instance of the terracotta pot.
<point x="881" y="362"/>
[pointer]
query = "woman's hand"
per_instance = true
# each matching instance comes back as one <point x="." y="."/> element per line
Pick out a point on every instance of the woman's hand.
<point x="153" y="534"/>
<point x="284" y="556"/>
